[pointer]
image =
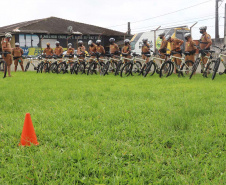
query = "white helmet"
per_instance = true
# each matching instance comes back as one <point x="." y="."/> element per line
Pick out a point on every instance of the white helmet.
<point x="203" y="28"/>
<point x="8" y="35"/>
<point x="98" y="41"/>
<point x="162" y="34"/>
<point x="187" y="35"/>
<point x="57" y="42"/>
<point x="90" y="42"/>
<point x="126" y="40"/>
<point x="80" y="42"/>
<point x="144" y="39"/>
<point x="168" y="37"/>
<point x="111" y="40"/>
<point x="69" y="44"/>
<point x="17" y="44"/>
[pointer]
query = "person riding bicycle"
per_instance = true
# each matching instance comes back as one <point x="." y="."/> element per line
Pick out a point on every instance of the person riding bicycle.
<point x="114" y="49"/>
<point x="190" y="47"/>
<point x="99" y="48"/>
<point x="92" y="50"/>
<point x="205" y="43"/>
<point x="58" y="50"/>
<point x="175" y="45"/>
<point x="70" y="51"/>
<point x="145" y="50"/>
<point x="48" y="51"/>
<point x="163" y="47"/>
<point x="81" y="50"/>
<point x="17" y="55"/>
<point x="6" y="47"/>
<point x="126" y="50"/>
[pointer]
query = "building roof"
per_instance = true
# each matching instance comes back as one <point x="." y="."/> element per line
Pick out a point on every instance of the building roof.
<point x="55" y="25"/>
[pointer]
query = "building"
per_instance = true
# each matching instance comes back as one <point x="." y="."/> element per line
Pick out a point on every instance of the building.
<point x="33" y="35"/>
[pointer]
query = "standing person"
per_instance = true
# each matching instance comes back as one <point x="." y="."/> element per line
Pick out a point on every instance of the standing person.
<point x="99" y="48"/>
<point x="114" y="49"/>
<point x="145" y="49"/>
<point x="59" y="50"/>
<point x="81" y="50"/>
<point x="6" y="47"/>
<point x="190" y="47"/>
<point x="126" y="49"/>
<point x="70" y="51"/>
<point x="48" y="51"/>
<point x="92" y="50"/>
<point x="205" y="43"/>
<point x="175" y="45"/>
<point x="163" y="47"/>
<point x="17" y="54"/>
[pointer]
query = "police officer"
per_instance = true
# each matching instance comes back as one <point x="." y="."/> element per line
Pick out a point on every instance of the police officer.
<point x="59" y="49"/>
<point x="190" y="47"/>
<point x="99" y="48"/>
<point x="126" y="49"/>
<point x="48" y="51"/>
<point x="81" y="50"/>
<point x="92" y="50"/>
<point x="70" y="51"/>
<point x="163" y="47"/>
<point x="17" y="54"/>
<point x="6" y="47"/>
<point x="145" y="49"/>
<point x="205" y="43"/>
<point x="114" y="49"/>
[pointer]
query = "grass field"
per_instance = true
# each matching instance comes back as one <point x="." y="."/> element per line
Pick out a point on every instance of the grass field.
<point x="112" y="130"/>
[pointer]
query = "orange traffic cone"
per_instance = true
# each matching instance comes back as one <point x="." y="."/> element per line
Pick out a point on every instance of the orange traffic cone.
<point x="28" y="135"/>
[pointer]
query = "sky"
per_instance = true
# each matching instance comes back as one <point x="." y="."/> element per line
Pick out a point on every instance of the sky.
<point x="116" y="14"/>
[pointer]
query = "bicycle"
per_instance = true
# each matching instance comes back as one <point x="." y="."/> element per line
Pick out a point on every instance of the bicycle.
<point x="63" y="66"/>
<point x="185" y="68"/>
<point x="217" y="63"/>
<point x="207" y="66"/>
<point x="3" y="65"/>
<point x="111" y="64"/>
<point x="96" y="62"/>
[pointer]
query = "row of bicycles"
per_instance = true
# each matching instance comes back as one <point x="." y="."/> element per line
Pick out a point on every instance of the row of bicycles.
<point x="129" y="65"/>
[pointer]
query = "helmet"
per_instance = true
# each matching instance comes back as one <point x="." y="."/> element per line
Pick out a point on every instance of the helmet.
<point x="203" y="28"/>
<point x="111" y="40"/>
<point x="126" y="40"/>
<point x="80" y="42"/>
<point x="162" y="34"/>
<point x="17" y="44"/>
<point x="48" y="44"/>
<point x="145" y="40"/>
<point x="90" y="42"/>
<point x="168" y="37"/>
<point x="69" y="44"/>
<point x="57" y="42"/>
<point x="8" y="35"/>
<point x="187" y="35"/>
<point x="98" y="41"/>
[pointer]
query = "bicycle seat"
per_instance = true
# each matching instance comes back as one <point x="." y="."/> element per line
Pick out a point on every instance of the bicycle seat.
<point x="187" y="53"/>
<point x="68" y="56"/>
<point x="125" y="54"/>
<point x="174" y="52"/>
<point x="147" y="55"/>
<point x="168" y="55"/>
<point x="108" y="55"/>
<point x="135" y="55"/>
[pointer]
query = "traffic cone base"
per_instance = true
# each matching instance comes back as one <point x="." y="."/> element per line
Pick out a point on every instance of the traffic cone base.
<point x="28" y="135"/>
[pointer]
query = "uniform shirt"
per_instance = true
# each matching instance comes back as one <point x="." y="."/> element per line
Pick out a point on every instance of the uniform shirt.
<point x="145" y="48"/>
<point x="126" y="49"/>
<point x="174" y="44"/>
<point x="81" y="50"/>
<point x="17" y="52"/>
<point x="113" y="48"/>
<point x="58" y="50"/>
<point x="190" y="46"/>
<point x="48" y="51"/>
<point x="6" y="46"/>
<point x="100" y="49"/>
<point x="206" y="39"/>
<point x="92" y="49"/>
<point x="70" y="51"/>
<point x="164" y="44"/>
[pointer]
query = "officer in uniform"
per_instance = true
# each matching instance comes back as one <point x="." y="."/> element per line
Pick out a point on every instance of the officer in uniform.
<point x="17" y="54"/>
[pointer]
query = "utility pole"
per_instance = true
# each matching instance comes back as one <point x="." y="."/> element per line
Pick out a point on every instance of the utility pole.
<point x="225" y="25"/>
<point x="217" y="21"/>
<point x="129" y="30"/>
<point x="192" y="27"/>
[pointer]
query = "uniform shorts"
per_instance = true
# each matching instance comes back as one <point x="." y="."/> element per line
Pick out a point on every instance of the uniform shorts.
<point x="16" y="61"/>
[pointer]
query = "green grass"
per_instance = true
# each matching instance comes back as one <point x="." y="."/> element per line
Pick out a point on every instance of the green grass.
<point x="112" y="130"/>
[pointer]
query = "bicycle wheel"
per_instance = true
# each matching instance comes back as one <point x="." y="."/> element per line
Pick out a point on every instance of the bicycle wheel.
<point x="194" y="67"/>
<point x="39" y="68"/>
<point x="27" y="66"/>
<point x="74" y="69"/>
<point x="137" y="67"/>
<point x="91" y="68"/>
<point x="166" y="69"/>
<point x="61" y="67"/>
<point x="151" y="68"/>
<point x="46" y="67"/>
<point x="216" y="67"/>
<point x="105" y="68"/>
<point x="53" y="67"/>
<point x="186" y="68"/>
<point x="118" y="68"/>
<point x="81" y="68"/>
<point x="126" y="70"/>
<point x="101" y="68"/>
<point x="208" y="69"/>
<point x="3" y="68"/>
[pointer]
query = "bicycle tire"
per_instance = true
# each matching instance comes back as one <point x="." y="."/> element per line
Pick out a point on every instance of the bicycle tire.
<point x="188" y="63"/>
<point x="118" y="68"/>
<point x="3" y="67"/>
<point x="61" y="67"/>
<point x="166" y="69"/>
<point x="81" y="68"/>
<point x="126" y="70"/>
<point x="27" y="66"/>
<point x="136" y="68"/>
<point x="53" y="67"/>
<point x="205" y="72"/>
<point x="91" y="68"/>
<point x="106" y="67"/>
<point x="194" y="67"/>
<point x="46" y="67"/>
<point x="74" y="68"/>
<point x="216" y="67"/>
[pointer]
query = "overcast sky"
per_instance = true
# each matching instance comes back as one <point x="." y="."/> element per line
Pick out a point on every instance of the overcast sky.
<point x="108" y="14"/>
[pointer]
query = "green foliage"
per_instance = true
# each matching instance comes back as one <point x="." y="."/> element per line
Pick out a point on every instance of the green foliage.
<point x="112" y="130"/>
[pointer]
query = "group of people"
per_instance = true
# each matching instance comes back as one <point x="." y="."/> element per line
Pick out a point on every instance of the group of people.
<point x="175" y="45"/>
